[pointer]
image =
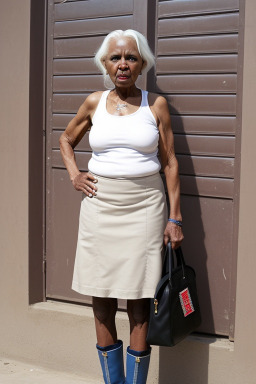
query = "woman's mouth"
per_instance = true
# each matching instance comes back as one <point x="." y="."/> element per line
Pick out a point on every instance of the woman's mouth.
<point x="122" y="77"/>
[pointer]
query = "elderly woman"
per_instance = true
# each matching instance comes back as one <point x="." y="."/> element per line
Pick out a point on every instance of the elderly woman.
<point x="123" y="219"/>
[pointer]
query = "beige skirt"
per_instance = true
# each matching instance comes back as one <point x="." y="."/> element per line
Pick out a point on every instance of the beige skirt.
<point x="120" y="238"/>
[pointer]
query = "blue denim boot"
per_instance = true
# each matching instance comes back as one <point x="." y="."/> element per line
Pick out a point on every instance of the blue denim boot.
<point x="112" y="365"/>
<point x="137" y="364"/>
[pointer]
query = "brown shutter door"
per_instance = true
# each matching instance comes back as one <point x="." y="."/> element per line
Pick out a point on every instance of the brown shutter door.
<point x="196" y="69"/>
<point x="75" y="31"/>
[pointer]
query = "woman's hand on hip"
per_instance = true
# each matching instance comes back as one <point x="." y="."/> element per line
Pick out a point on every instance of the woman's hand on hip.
<point x="174" y="234"/>
<point x="85" y="182"/>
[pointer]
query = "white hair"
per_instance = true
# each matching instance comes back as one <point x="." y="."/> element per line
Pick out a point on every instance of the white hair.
<point x="142" y="45"/>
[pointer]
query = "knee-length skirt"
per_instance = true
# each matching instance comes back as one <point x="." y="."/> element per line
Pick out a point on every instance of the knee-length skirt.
<point x="120" y="238"/>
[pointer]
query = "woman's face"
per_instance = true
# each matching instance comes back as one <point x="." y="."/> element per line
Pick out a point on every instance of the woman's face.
<point x="123" y="61"/>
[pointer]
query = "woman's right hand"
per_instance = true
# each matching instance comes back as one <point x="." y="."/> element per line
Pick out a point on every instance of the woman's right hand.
<point x="85" y="182"/>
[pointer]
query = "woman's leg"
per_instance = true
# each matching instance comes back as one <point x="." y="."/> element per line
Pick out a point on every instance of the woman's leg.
<point x="138" y="313"/>
<point x="104" y="310"/>
<point x="138" y="353"/>
<point x="110" y="350"/>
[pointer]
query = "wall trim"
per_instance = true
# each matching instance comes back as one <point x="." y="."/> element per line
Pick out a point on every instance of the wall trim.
<point x="36" y="149"/>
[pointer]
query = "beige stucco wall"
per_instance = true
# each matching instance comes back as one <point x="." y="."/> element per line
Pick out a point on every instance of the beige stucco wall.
<point x="62" y="335"/>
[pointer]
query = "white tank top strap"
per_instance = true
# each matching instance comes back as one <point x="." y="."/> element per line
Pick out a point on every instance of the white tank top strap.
<point x="104" y="96"/>
<point x="101" y="107"/>
<point x="144" y="98"/>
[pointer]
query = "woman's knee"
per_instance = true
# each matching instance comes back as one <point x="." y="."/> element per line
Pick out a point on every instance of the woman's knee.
<point x="104" y="309"/>
<point x="138" y="310"/>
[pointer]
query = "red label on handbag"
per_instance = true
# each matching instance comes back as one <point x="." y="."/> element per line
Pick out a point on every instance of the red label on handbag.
<point x="186" y="302"/>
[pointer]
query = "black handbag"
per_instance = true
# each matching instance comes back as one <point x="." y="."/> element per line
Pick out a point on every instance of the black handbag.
<point x="174" y="311"/>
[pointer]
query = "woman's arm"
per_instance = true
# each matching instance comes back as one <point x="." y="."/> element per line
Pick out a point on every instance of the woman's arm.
<point x="74" y="132"/>
<point x="173" y="232"/>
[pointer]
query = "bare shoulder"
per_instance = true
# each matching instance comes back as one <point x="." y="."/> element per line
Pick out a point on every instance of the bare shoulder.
<point x="91" y="102"/>
<point x="157" y="101"/>
<point x="89" y="106"/>
<point x="159" y="107"/>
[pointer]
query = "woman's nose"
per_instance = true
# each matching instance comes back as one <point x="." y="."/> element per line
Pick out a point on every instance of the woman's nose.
<point x="123" y="63"/>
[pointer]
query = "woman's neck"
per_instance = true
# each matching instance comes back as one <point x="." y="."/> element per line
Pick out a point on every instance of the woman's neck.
<point x="124" y="93"/>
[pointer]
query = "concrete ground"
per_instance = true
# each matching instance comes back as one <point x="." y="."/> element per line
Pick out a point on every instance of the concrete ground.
<point x="16" y="372"/>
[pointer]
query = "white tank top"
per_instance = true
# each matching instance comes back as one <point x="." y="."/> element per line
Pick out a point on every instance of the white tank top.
<point x="124" y="146"/>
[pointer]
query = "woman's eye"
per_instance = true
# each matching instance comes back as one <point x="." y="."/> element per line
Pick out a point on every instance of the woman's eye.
<point x="114" y="58"/>
<point x="132" y="58"/>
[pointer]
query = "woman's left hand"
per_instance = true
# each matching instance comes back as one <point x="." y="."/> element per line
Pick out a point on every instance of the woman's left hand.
<point x="174" y="234"/>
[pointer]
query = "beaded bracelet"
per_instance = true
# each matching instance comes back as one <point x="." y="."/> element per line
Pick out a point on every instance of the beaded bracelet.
<point x="177" y="222"/>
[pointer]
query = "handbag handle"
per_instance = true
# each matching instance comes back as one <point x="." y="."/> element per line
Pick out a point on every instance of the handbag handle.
<point x="169" y="260"/>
